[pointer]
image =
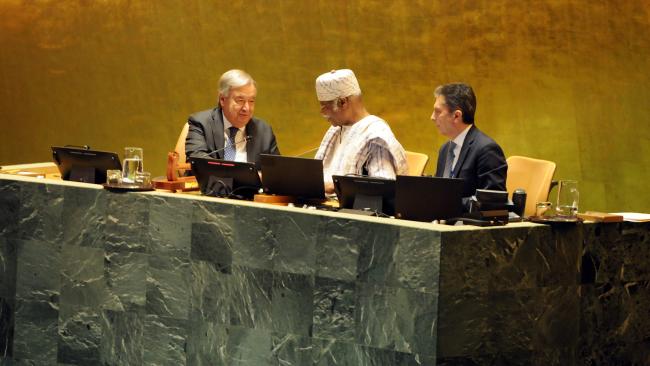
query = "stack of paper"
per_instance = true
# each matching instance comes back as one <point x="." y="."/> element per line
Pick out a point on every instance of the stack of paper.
<point x="634" y="216"/>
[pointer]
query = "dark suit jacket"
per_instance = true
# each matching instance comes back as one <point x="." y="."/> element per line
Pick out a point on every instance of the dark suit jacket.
<point x="481" y="163"/>
<point x="205" y="134"/>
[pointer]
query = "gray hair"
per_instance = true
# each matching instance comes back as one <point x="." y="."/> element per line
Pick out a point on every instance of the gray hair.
<point x="233" y="79"/>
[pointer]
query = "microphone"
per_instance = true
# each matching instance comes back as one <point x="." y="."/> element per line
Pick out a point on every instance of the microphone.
<point x="493" y="170"/>
<point x="306" y="152"/>
<point x="247" y="138"/>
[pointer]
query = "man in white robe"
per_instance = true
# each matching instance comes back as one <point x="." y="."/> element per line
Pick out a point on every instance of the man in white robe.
<point x="357" y="142"/>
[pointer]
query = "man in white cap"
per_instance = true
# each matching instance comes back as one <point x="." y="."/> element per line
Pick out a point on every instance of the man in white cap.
<point x="357" y="142"/>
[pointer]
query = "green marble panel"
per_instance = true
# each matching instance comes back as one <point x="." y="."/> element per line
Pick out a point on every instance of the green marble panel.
<point x="334" y="307"/>
<point x="38" y="221"/>
<point x="37" y="271"/>
<point x="168" y="287"/>
<point x="292" y="303"/>
<point x="170" y="226"/>
<point x="10" y="207"/>
<point x="337" y="249"/>
<point x="382" y="322"/>
<point x="122" y="340"/>
<point x="164" y="340"/>
<point x="36" y="331"/>
<point x="125" y="274"/>
<point x="127" y="220"/>
<point x="208" y="299"/>
<point x="80" y="335"/>
<point x="84" y="217"/>
<point x="83" y="281"/>
<point x="207" y="344"/>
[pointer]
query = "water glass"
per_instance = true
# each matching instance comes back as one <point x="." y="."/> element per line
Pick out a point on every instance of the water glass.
<point x="143" y="179"/>
<point x="568" y="197"/>
<point x="132" y="164"/>
<point x="543" y="209"/>
<point x="113" y="177"/>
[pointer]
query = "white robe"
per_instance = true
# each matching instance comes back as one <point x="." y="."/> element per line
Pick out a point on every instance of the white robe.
<point x="348" y="152"/>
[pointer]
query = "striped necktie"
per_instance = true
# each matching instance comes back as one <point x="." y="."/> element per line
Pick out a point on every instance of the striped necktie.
<point x="230" y="151"/>
<point x="450" y="160"/>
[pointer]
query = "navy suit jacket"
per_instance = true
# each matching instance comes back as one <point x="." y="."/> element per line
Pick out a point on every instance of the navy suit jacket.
<point x="481" y="163"/>
<point x="205" y="135"/>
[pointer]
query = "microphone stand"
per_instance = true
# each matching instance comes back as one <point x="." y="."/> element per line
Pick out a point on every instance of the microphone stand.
<point x="246" y="139"/>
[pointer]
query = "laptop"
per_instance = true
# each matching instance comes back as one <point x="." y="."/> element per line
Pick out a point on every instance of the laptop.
<point x="84" y="165"/>
<point x="428" y="198"/>
<point x="289" y="176"/>
<point x="222" y="178"/>
<point x="365" y="193"/>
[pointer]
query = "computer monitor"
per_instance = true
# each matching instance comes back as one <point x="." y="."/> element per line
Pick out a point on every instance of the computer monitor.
<point x="223" y="178"/>
<point x="83" y="165"/>
<point x="289" y="176"/>
<point x="365" y="193"/>
<point x="428" y="198"/>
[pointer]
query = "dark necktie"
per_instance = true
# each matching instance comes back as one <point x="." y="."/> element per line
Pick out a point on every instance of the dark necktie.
<point x="230" y="151"/>
<point x="450" y="159"/>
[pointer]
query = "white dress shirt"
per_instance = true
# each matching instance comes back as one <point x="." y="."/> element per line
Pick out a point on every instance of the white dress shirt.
<point x="459" y="140"/>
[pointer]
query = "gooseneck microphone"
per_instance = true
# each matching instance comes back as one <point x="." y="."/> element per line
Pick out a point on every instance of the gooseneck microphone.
<point x="306" y="152"/>
<point x="493" y="170"/>
<point x="245" y="139"/>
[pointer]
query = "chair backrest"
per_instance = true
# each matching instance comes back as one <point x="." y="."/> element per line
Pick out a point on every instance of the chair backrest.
<point x="533" y="175"/>
<point x="417" y="162"/>
<point x="180" y="145"/>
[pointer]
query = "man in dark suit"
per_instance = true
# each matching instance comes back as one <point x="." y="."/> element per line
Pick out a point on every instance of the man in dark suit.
<point x="229" y="131"/>
<point x="470" y="154"/>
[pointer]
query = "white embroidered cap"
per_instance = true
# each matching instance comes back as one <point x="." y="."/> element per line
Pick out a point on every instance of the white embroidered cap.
<point x="337" y="84"/>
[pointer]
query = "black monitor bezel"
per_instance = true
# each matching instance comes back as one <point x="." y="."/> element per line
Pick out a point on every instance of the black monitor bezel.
<point x="245" y="178"/>
<point x="291" y="176"/>
<point x="84" y="165"/>
<point x="348" y="187"/>
<point x="425" y="199"/>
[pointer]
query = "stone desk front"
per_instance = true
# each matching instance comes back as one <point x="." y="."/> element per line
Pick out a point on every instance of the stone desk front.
<point x="89" y="277"/>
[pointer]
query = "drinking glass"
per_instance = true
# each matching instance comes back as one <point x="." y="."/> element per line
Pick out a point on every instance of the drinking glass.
<point x="568" y="197"/>
<point x="114" y="177"/>
<point x="143" y="179"/>
<point x="132" y="164"/>
<point x="543" y="209"/>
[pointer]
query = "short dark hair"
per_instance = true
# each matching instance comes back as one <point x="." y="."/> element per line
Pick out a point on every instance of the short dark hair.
<point x="459" y="96"/>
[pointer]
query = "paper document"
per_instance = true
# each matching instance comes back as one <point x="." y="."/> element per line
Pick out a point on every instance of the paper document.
<point x="634" y="216"/>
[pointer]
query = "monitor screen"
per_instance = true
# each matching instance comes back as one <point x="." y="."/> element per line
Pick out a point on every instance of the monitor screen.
<point x="224" y="178"/>
<point x="289" y="176"/>
<point x="82" y="165"/>
<point x="365" y="193"/>
<point x="428" y="198"/>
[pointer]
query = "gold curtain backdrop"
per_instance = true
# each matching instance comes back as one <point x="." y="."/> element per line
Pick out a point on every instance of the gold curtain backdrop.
<point x="560" y="80"/>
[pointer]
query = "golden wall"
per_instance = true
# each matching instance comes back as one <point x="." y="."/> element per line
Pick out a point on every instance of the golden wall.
<point x="559" y="80"/>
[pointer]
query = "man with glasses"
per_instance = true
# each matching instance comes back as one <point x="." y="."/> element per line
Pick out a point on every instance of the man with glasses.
<point x="229" y="131"/>
<point x="469" y="154"/>
<point x="357" y="142"/>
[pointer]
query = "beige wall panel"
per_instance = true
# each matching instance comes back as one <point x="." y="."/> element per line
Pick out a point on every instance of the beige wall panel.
<point x="559" y="80"/>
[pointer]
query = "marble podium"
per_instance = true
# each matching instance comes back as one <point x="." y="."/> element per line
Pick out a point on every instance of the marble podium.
<point x="91" y="277"/>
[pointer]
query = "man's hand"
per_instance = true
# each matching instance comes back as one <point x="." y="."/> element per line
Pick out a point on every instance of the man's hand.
<point x="329" y="188"/>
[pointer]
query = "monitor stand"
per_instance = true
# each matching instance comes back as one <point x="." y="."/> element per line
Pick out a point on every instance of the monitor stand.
<point x="368" y="203"/>
<point x="218" y="187"/>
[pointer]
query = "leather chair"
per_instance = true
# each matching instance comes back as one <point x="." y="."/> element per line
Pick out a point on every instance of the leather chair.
<point x="533" y="175"/>
<point x="417" y="162"/>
